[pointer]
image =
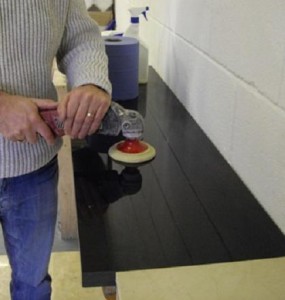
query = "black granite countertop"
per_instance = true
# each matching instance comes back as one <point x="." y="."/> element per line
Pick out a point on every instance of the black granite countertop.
<point x="187" y="207"/>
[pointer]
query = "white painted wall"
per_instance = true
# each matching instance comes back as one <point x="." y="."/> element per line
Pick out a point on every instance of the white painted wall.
<point x="225" y="61"/>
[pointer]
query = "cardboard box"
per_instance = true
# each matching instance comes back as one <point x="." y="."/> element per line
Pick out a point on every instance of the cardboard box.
<point x="101" y="17"/>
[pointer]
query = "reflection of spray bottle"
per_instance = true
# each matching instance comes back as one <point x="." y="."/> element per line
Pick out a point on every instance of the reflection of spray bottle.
<point x="133" y="31"/>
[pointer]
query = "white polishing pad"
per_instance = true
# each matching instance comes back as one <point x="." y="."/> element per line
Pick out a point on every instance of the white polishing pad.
<point x="132" y="158"/>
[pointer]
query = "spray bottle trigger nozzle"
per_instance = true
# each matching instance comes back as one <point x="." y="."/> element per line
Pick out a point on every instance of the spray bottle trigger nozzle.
<point x="144" y="14"/>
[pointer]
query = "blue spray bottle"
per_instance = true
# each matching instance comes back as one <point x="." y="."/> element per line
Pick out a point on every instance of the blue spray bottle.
<point x="133" y="31"/>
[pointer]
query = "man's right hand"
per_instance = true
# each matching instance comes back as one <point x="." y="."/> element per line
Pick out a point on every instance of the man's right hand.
<point x="20" y="119"/>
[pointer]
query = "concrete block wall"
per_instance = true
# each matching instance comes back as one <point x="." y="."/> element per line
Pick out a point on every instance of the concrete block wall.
<point x="225" y="61"/>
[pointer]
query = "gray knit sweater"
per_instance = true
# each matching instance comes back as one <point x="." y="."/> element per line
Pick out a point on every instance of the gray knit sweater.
<point x="32" y="33"/>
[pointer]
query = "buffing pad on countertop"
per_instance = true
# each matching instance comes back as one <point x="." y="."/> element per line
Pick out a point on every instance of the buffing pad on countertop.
<point x="132" y="152"/>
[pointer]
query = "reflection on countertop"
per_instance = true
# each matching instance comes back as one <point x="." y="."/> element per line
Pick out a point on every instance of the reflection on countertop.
<point x="97" y="185"/>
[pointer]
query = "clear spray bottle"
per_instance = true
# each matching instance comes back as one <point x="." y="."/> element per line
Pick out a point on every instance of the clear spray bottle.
<point x="133" y="31"/>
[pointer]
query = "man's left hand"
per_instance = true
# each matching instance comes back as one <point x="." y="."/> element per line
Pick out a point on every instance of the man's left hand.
<point x="83" y="109"/>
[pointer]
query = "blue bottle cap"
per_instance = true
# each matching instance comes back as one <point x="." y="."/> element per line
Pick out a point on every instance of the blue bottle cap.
<point x="135" y="20"/>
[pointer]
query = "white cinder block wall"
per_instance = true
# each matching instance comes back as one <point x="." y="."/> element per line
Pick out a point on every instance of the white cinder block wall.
<point x="225" y="61"/>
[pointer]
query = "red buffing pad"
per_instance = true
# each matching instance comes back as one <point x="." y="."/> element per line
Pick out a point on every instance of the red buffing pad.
<point x="132" y="152"/>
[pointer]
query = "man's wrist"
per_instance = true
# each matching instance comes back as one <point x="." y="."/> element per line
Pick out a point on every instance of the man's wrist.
<point x="3" y="95"/>
<point x="96" y="86"/>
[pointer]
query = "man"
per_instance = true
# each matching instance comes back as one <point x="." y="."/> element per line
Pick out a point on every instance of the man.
<point x="32" y="33"/>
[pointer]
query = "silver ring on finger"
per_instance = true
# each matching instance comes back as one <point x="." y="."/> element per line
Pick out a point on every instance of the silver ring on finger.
<point x="89" y="115"/>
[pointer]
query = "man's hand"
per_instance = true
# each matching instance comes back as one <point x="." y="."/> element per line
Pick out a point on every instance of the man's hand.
<point x="20" y="119"/>
<point x="83" y="109"/>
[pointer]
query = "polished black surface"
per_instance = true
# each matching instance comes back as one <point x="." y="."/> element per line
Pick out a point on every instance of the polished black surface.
<point x="186" y="207"/>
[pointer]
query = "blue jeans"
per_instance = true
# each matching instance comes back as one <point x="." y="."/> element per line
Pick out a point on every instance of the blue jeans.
<point x="28" y="209"/>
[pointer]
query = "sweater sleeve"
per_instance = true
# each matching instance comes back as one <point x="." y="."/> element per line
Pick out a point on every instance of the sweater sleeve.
<point x="81" y="56"/>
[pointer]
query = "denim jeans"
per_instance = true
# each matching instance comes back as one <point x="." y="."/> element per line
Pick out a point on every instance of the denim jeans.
<point x="28" y="209"/>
